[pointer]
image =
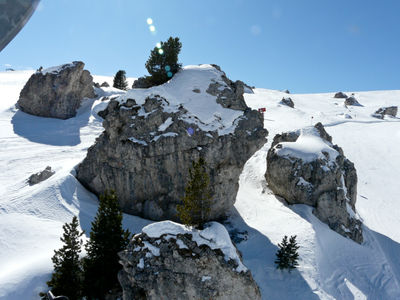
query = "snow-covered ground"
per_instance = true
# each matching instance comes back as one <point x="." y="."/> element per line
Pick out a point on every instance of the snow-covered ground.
<point x="331" y="266"/>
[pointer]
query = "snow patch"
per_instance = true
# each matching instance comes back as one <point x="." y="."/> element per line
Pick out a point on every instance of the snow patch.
<point x="214" y="236"/>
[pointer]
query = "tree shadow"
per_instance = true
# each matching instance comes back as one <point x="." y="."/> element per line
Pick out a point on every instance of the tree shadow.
<point x="258" y="255"/>
<point x="51" y="131"/>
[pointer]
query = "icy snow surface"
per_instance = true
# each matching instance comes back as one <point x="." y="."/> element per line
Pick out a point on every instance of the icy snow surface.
<point x="331" y="266"/>
<point x="214" y="236"/>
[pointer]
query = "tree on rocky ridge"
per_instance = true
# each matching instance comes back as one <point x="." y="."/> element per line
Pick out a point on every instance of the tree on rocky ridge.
<point x="67" y="277"/>
<point x="163" y="61"/>
<point x="107" y="238"/>
<point x="120" y="80"/>
<point x="195" y="209"/>
<point x="287" y="255"/>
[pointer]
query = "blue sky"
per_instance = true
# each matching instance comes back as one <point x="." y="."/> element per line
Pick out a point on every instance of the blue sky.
<point x="304" y="46"/>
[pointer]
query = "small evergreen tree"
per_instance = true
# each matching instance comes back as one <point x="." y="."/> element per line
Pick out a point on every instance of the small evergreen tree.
<point x="67" y="277"/>
<point x="195" y="209"/>
<point x="163" y="61"/>
<point x="287" y="255"/>
<point x="107" y="238"/>
<point x="120" y="80"/>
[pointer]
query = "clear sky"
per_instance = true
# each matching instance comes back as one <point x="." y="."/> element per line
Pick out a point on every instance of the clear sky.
<point x="302" y="45"/>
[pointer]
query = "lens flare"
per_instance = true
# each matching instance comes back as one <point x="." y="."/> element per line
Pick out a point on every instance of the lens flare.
<point x="152" y="28"/>
<point x="161" y="51"/>
<point x="149" y="21"/>
<point x="167" y="68"/>
<point x="169" y="74"/>
<point x="158" y="45"/>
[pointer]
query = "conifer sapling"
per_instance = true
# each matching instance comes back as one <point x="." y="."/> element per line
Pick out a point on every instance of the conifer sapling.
<point x="287" y="255"/>
<point x="196" y="206"/>
<point x="120" y="80"/>
<point x="67" y="277"/>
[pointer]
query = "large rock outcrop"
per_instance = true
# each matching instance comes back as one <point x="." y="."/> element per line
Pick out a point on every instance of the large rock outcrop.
<point x="57" y="92"/>
<point x="168" y="261"/>
<point x="385" y="111"/>
<point x="304" y="167"/>
<point x="152" y="136"/>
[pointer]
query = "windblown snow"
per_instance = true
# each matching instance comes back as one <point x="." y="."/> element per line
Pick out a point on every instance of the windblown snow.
<point x="330" y="266"/>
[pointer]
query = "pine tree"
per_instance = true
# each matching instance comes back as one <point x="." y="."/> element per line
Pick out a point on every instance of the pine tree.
<point x="195" y="209"/>
<point x="287" y="255"/>
<point x="107" y="238"/>
<point x="120" y="80"/>
<point x="67" y="277"/>
<point x="163" y="61"/>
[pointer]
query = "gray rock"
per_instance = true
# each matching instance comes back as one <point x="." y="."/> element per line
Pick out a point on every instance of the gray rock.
<point x="148" y="168"/>
<point x="327" y="184"/>
<point x="176" y="267"/>
<point x="287" y="101"/>
<point x="340" y="95"/>
<point x="141" y="83"/>
<point x="96" y="84"/>
<point x="388" y="111"/>
<point x="196" y="91"/>
<point x="229" y="94"/>
<point x="57" y="92"/>
<point x="351" y="101"/>
<point x="105" y="84"/>
<point x="41" y="176"/>
<point x="286" y="91"/>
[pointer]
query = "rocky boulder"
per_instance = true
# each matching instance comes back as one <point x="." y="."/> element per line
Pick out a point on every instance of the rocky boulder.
<point x="287" y="101"/>
<point x="41" y="176"/>
<point x="352" y="101"/>
<point x="304" y="167"/>
<point x="141" y="83"/>
<point x="57" y="92"/>
<point x="388" y="111"/>
<point x="105" y="84"/>
<point x="169" y="261"/>
<point x="340" y="95"/>
<point x="152" y="136"/>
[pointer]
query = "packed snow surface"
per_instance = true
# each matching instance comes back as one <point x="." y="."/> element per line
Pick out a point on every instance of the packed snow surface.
<point x="203" y="110"/>
<point x="308" y="147"/>
<point x="330" y="266"/>
<point x="214" y="236"/>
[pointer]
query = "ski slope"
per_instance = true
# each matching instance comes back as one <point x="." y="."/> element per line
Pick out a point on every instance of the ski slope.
<point x="331" y="266"/>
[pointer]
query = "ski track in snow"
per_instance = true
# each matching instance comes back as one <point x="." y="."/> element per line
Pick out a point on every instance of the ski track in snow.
<point x="331" y="266"/>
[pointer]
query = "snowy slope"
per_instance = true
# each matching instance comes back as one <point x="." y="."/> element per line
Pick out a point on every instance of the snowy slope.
<point x="331" y="267"/>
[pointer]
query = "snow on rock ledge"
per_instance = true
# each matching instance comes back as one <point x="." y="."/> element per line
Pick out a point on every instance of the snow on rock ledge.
<point x="304" y="167"/>
<point x="57" y="92"/>
<point x="152" y="136"/>
<point x="168" y="259"/>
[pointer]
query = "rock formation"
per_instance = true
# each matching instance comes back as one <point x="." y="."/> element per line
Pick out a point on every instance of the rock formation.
<point x="388" y="111"/>
<point x="40" y="176"/>
<point x="304" y="167"/>
<point x="152" y="136"/>
<point x="351" y="101"/>
<point x="169" y="261"/>
<point x="57" y="92"/>
<point x="105" y="84"/>
<point x="141" y="83"/>
<point x="287" y="101"/>
<point x="340" y="95"/>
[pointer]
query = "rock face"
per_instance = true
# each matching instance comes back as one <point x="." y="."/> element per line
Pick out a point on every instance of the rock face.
<point x="340" y="95"/>
<point x="41" y="176"/>
<point x="105" y="84"/>
<point x="57" y="92"/>
<point x="304" y="167"/>
<point x="168" y="261"/>
<point x="141" y="83"/>
<point x="389" y="111"/>
<point x="152" y="136"/>
<point x="287" y="101"/>
<point x="351" y="101"/>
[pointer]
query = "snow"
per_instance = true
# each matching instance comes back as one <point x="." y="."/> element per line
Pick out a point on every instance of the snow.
<point x="167" y="134"/>
<point x="331" y="266"/>
<point x="214" y="236"/>
<point x="57" y="69"/>
<point x="308" y="147"/>
<point x="205" y="278"/>
<point x="134" y="140"/>
<point x="168" y="122"/>
<point x="203" y="110"/>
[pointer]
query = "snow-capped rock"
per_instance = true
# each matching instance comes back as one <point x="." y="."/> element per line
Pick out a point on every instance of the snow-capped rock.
<point x="304" y="167"/>
<point x="169" y="261"/>
<point x="152" y="136"/>
<point x="385" y="111"/>
<point x="57" y="92"/>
